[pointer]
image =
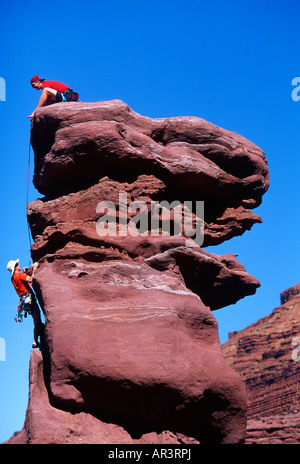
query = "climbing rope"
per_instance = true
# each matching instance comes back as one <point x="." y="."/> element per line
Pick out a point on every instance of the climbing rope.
<point x="27" y="199"/>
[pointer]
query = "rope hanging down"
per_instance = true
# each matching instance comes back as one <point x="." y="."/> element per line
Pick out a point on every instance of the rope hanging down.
<point x="27" y="199"/>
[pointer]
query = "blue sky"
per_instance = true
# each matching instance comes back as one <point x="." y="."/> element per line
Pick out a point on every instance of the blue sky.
<point x="231" y="63"/>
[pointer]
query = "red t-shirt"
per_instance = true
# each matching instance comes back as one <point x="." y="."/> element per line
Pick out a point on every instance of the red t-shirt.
<point x="55" y="85"/>
<point x="20" y="283"/>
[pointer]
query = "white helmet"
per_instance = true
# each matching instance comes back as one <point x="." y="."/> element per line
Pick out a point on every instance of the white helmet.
<point x="11" y="266"/>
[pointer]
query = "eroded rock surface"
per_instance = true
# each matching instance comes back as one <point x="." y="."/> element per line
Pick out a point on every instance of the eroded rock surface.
<point x="131" y="345"/>
<point x="267" y="356"/>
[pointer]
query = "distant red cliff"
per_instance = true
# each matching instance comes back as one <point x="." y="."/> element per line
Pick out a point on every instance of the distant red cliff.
<point x="267" y="356"/>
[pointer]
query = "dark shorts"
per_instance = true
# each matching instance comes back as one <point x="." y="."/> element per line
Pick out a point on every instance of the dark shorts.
<point x="65" y="96"/>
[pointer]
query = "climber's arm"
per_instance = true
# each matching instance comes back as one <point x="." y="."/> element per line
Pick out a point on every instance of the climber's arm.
<point x="47" y="97"/>
<point x="30" y="278"/>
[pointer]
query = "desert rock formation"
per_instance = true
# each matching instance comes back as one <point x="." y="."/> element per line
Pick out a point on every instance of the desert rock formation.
<point x="131" y="351"/>
<point x="267" y="356"/>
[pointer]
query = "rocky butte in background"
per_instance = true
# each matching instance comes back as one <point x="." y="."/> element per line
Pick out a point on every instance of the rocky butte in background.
<point x="131" y="351"/>
<point x="267" y="356"/>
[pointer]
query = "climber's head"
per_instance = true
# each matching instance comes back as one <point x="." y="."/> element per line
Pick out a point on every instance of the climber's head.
<point x="13" y="265"/>
<point x="36" y="82"/>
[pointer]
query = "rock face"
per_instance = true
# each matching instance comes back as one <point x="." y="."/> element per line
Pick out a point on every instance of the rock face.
<point x="46" y="424"/>
<point x="267" y="356"/>
<point x="193" y="159"/>
<point x="281" y="429"/>
<point x="131" y="350"/>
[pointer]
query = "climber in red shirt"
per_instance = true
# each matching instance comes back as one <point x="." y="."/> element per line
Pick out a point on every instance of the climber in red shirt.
<point x="22" y="284"/>
<point x="53" y="92"/>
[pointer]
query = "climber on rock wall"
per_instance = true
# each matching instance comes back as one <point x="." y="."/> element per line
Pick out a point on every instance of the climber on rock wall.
<point x="53" y="92"/>
<point x="22" y="284"/>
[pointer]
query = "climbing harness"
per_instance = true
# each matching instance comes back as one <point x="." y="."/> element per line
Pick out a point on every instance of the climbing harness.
<point x="67" y="96"/>
<point x="24" y="307"/>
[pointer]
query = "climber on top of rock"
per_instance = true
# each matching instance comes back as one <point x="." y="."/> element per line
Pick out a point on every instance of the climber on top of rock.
<point x="53" y="92"/>
<point x="27" y="303"/>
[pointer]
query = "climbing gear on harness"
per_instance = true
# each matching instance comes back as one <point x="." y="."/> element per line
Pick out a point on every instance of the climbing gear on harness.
<point x="24" y="307"/>
<point x="19" y="316"/>
<point x="67" y="96"/>
<point x="73" y="97"/>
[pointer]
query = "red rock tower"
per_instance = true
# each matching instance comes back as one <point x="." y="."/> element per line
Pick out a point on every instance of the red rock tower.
<point x="132" y="352"/>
